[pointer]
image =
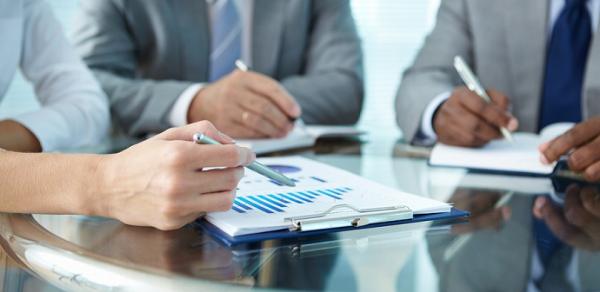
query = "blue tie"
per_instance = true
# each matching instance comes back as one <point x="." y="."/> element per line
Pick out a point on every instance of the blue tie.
<point x="565" y="65"/>
<point x="226" y="39"/>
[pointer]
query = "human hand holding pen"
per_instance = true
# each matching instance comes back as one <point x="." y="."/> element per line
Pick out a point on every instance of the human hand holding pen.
<point x="466" y="120"/>
<point x="246" y="104"/>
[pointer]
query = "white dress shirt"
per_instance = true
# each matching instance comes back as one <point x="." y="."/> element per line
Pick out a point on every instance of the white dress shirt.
<point x="74" y="110"/>
<point x="179" y="111"/>
<point x="556" y="7"/>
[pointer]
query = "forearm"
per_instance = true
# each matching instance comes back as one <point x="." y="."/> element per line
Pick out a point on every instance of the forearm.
<point x="16" y="137"/>
<point x="50" y="183"/>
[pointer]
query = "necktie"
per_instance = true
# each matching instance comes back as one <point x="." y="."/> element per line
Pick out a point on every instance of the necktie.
<point x="226" y="39"/>
<point x="565" y="65"/>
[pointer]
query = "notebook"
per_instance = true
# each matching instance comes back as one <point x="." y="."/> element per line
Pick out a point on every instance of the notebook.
<point x="301" y="137"/>
<point x="518" y="157"/>
<point x="263" y="205"/>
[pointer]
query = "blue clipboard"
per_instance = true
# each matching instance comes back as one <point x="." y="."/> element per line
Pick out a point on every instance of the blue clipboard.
<point x="286" y="234"/>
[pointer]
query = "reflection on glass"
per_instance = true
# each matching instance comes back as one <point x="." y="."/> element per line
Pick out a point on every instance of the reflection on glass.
<point x="532" y="242"/>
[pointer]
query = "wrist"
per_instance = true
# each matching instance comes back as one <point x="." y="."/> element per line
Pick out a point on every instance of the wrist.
<point x="98" y="198"/>
<point x="197" y="110"/>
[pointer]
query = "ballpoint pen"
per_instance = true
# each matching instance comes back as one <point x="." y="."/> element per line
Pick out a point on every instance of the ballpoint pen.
<point x="474" y="85"/>
<point x="255" y="166"/>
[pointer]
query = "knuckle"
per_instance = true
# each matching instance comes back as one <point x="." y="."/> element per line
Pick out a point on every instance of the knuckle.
<point x="591" y="174"/>
<point x="173" y="186"/>
<point x="169" y="209"/>
<point x="175" y="155"/>
<point x="226" y="202"/>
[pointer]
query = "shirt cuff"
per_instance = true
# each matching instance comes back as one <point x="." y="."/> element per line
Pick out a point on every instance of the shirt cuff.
<point x="179" y="111"/>
<point x="427" y="119"/>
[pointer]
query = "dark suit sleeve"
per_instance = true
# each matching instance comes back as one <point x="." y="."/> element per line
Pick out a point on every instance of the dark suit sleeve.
<point x="331" y="90"/>
<point x="104" y="40"/>
<point x="432" y="72"/>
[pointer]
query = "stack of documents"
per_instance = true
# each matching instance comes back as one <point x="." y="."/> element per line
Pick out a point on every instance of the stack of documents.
<point x="301" y="137"/>
<point x="520" y="156"/>
<point x="264" y="205"/>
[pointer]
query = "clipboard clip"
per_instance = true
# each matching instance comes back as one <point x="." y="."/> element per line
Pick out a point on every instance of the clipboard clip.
<point x="337" y="216"/>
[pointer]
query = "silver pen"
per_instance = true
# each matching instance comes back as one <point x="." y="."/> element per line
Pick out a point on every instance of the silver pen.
<point x="260" y="168"/>
<point x="474" y="85"/>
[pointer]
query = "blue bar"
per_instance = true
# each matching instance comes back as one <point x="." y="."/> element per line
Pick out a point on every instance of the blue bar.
<point x="265" y="204"/>
<point x="300" y="197"/>
<point x="279" y="198"/>
<point x="335" y="192"/>
<point x="328" y="194"/>
<point x="291" y="199"/>
<point x="307" y="195"/>
<point x="241" y="205"/>
<point x="237" y="209"/>
<point x="341" y="190"/>
<point x="295" y="180"/>
<point x="348" y="189"/>
<point x="318" y="179"/>
<point x="265" y="198"/>
<point x="313" y="193"/>
<point x="255" y="205"/>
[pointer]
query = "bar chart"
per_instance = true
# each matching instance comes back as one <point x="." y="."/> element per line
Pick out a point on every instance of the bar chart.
<point x="278" y="202"/>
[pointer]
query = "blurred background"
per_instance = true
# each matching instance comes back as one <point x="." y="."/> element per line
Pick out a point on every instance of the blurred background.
<point x="392" y="32"/>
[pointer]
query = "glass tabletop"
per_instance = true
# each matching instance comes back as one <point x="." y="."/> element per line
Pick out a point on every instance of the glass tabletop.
<point x="501" y="247"/>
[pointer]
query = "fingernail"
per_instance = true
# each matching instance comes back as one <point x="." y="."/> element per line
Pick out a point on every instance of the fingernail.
<point x="544" y="160"/>
<point x="296" y="110"/>
<point x="543" y="146"/>
<point x="513" y="124"/>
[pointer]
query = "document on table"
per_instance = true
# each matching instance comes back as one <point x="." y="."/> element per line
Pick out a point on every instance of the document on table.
<point x="262" y="205"/>
<point x="520" y="156"/>
<point x="302" y="136"/>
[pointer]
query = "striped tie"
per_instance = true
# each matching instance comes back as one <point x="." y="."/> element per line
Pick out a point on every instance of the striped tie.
<point x="226" y="39"/>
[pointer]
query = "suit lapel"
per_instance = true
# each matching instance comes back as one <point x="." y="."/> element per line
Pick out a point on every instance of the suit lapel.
<point x="526" y="29"/>
<point x="591" y="92"/>
<point x="268" y="23"/>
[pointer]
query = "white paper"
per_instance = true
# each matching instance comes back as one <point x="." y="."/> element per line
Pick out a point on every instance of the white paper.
<point x="312" y="178"/>
<point x="521" y="155"/>
<point x="300" y="137"/>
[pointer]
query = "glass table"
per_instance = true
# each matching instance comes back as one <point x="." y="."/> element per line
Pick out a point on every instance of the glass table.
<point x="501" y="247"/>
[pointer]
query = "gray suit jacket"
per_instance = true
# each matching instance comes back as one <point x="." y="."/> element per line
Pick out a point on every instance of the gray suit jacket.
<point x="146" y="53"/>
<point x="505" y="43"/>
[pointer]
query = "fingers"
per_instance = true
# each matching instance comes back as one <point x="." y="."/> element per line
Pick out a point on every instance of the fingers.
<point x="590" y="199"/>
<point x="475" y="121"/>
<point x="577" y="136"/>
<point x="193" y="156"/>
<point x="186" y="133"/>
<point x="499" y="99"/>
<point x="553" y="217"/>
<point x="264" y="111"/>
<point x="213" y="202"/>
<point x="489" y="112"/>
<point x="214" y="180"/>
<point x="269" y="88"/>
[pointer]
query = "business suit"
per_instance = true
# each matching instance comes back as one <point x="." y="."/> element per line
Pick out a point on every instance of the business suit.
<point x="74" y="111"/>
<point x="146" y="53"/>
<point x="505" y="42"/>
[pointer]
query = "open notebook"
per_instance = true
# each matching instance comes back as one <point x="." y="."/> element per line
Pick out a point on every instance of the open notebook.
<point x="302" y="136"/>
<point x="263" y="205"/>
<point x="518" y="157"/>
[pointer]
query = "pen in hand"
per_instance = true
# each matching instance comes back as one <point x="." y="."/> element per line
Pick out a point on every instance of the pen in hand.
<point x="256" y="166"/>
<point x="471" y="81"/>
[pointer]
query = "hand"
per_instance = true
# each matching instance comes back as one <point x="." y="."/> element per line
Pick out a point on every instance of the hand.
<point x="584" y="142"/>
<point x="465" y="119"/>
<point x="162" y="182"/>
<point x="483" y="213"/>
<point x="16" y="137"/>
<point x="578" y="223"/>
<point x="246" y="105"/>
